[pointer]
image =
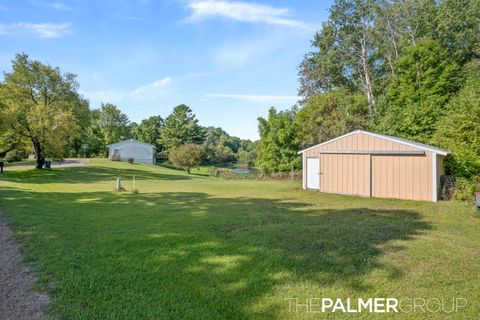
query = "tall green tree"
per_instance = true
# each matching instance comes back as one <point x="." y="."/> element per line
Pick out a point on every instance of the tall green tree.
<point x="458" y="28"/>
<point x="424" y="81"/>
<point x="346" y="50"/>
<point x="113" y="123"/>
<point x="459" y="130"/>
<point x="149" y="131"/>
<point x="400" y="24"/>
<point x="277" y="148"/>
<point x="328" y="115"/>
<point x="40" y="103"/>
<point x="181" y="127"/>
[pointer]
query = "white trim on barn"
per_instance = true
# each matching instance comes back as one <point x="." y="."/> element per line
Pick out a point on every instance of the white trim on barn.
<point x="434" y="177"/>
<point x="406" y="142"/>
<point x="304" y="172"/>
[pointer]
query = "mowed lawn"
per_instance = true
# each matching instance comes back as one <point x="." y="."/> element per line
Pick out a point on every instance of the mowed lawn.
<point x="198" y="247"/>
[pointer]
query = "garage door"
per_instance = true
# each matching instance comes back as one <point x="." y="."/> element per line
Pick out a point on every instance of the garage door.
<point x="345" y="173"/>
<point x="313" y="172"/>
<point x="402" y="177"/>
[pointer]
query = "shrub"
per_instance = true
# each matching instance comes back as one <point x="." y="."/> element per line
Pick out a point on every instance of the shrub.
<point x="295" y="175"/>
<point x="187" y="156"/>
<point x="15" y="155"/>
<point x="466" y="188"/>
<point x="130" y="160"/>
<point x="229" y="174"/>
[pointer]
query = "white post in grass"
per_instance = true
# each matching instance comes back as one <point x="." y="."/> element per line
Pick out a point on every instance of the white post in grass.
<point x="119" y="183"/>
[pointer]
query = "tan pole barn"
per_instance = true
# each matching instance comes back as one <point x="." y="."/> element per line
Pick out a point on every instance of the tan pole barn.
<point x="374" y="165"/>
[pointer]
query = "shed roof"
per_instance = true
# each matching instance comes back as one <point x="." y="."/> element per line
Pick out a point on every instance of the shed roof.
<point x="406" y="142"/>
<point x="130" y="140"/>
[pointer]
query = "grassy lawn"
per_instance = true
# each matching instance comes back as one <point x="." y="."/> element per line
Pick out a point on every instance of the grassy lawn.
<point x="197" y="247"/>
<point x="18" y="163"/>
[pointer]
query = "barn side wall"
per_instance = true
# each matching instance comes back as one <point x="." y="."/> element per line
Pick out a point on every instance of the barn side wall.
<point x="391" y="176"/>
<point x="345" y="173"/>
<point x="402" y="176"/>
<point x="139" y="152"/>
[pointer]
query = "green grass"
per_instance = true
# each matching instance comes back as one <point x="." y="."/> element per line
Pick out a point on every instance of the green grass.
<point x="18" y="163"/>
<point x="197" y="247"/>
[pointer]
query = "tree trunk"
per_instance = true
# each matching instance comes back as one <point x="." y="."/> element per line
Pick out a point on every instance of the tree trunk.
<point x="38" y="153"/>
<point x="366" y="81"/>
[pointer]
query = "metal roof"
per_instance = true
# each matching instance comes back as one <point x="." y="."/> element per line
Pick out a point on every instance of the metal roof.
<point x="410" y="143"/>
<point x="130" y="140"/>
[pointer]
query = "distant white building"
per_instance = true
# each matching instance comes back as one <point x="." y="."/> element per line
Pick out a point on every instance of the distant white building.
<point x="131" y="148"/>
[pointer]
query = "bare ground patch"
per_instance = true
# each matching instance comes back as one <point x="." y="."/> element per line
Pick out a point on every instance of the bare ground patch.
<point x="67" y="163"/>
<point x="17" y="300"/>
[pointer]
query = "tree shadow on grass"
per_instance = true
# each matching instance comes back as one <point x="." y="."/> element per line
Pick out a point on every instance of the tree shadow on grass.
<point x="90" y="174"/>
<point x="189" y="255"/>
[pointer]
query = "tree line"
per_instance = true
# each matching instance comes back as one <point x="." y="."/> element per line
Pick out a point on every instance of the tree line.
<point x="408" y="68"/>
<point x="42" y="111"/>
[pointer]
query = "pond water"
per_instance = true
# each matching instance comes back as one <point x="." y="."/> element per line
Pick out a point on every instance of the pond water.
<point x="243" y="170"/>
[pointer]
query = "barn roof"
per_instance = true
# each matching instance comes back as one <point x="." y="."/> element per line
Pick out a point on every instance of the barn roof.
<point x="130" y="140"/>
<point x="406" y="142"/>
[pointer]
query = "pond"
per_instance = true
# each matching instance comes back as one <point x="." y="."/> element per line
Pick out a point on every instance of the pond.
<point x="244" y="170"/>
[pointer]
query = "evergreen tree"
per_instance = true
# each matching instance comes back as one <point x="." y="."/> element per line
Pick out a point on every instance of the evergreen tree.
<point x="181" y="127"/>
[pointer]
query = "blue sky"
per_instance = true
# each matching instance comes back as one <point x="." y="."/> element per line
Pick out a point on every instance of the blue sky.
<point x="228" y="60"/>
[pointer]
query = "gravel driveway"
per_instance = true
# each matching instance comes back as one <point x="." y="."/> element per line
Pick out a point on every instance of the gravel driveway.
<point x="17" y="300"/>
<point x="67" y="163"/>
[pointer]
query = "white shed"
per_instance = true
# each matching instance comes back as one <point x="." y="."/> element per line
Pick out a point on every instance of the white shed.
<point x="131" y="148"/>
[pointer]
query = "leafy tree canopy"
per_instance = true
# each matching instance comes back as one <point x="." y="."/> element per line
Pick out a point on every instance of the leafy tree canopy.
<point x="187" y="156"/>
<point x="329" y="115"/>
<point x="42" y="106"/>
<point x="113" y="124"/>
<point x="149" y="131"/>
<point x="459" y="130"/>
<point x="277" y="148"/>
<point x="425" y="79"/>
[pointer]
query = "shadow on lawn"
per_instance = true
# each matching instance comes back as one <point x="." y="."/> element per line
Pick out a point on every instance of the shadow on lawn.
<point x="191" y="255"/>
<point x="90" y="174"/>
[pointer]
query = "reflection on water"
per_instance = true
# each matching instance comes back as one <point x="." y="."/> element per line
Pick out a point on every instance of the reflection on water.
<point x="243" y="171"/>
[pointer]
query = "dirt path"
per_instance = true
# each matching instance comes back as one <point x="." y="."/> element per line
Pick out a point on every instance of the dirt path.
<point x="67" y="163"/>
<point x="17" y="301"/>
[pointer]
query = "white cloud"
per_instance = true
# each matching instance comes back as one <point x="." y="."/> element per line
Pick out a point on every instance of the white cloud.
<point x="135" y="18"/>
<point x="40" y="30"/>
<point x="236" y="54"/>
<point x="242" y="11"/>
<point x="151" y="90"/>
<point x="59" y="6"/>
<point x="254" y="97"/>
